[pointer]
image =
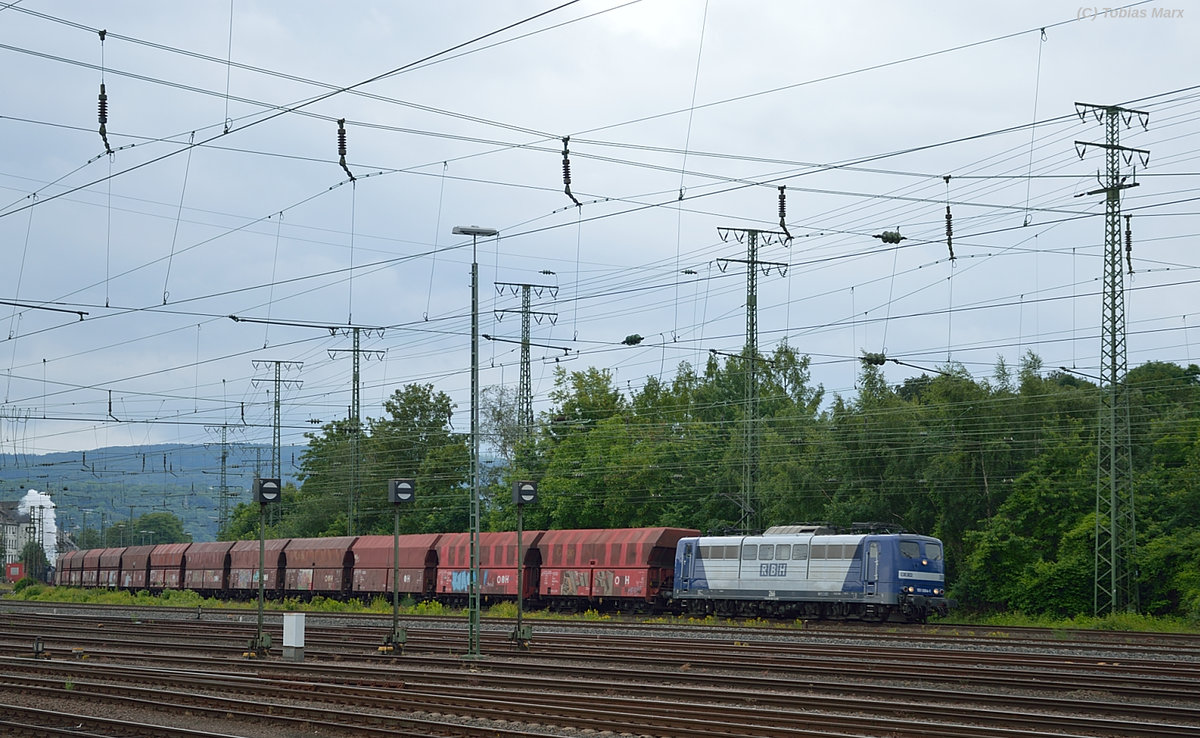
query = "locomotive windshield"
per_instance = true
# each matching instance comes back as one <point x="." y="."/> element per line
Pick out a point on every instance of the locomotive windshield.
<point x="910" y="549"/>
<point x="933" y="551"/>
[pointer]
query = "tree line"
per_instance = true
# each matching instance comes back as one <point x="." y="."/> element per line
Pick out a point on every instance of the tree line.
<point x="1002" y="469"/>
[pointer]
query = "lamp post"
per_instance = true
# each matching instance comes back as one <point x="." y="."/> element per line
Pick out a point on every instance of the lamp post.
<point x="473" y="587"/>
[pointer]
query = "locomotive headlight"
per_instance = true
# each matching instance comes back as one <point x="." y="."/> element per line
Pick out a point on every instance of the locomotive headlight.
<point x="924" y="562"/>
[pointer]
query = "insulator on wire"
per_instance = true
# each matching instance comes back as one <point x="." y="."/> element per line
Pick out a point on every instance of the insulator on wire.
<point x="889" y="237"/>
<point x="949" y="220"/>
<point x="342" y="147"/>
<point x="1129" y="242"/>
<point x="950" y="232"/>
<point x="783" y="211"/>
<point x="567" y="172"/>
<point x="103" y="116"/>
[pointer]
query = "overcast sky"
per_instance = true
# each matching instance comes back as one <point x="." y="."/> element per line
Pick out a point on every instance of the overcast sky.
<point x="224" y="196"/>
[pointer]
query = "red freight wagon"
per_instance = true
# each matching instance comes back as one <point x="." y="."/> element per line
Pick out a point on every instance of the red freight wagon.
<point x="497" y="563"/>
<point x="166" y="566"/>
<point x="373" y="565"/>
<point x="206" y="566"/>
<point x="109" y="567"/>
<point x="68" y="568"/>
<point x="631" y="566"/>
<point x="135" y="567"/>
<point x="319" y="565"/>
<point x="90" y="570"/>
<point x="59" y="577"/>
<point x="73" y="575"/>
<point x="243" y="566"/>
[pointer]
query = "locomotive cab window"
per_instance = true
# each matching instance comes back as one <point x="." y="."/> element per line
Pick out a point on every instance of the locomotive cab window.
<point x="783" y="551"/>
<point x="910" y="549"/>
<point x="749" y="552"/>
<point x="933" y="551"/>
<point x="800" y="552"/>
<point x="766" y="552"/>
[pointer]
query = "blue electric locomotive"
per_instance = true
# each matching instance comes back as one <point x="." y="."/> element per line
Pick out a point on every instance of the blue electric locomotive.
<point x="804" y="571"/>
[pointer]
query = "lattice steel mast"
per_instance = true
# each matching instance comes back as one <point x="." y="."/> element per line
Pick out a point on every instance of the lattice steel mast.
<point x="525" y="387"/>
<point x="276" y="462"/>
<point x="355" y="416"/>
<point x="749" y="519"/>
<point x="1115" y="588"/>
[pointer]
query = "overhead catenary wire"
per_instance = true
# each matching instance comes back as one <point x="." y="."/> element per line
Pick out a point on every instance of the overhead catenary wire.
<point x="933" y="239"/>
<point x="279" y="111"/>
<point x="187" y="168"/>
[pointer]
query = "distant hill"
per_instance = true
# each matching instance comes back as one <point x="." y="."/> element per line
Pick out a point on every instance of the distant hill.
<point x="118" y="482"/>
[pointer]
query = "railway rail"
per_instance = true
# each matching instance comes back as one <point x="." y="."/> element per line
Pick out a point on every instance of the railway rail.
<point x="636" y="680"/>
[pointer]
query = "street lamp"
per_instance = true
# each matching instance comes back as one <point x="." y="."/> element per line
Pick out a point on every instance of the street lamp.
<point x="473" y="587"/>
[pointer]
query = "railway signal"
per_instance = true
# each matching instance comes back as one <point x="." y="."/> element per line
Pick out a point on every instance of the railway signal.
<point x="400" y="492"/>
<point x="267" y="491"/>
<point x="524" y="493"/>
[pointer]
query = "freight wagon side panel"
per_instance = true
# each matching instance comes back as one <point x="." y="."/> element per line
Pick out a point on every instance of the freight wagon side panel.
<point x="135" y="566"/>
<point x="166" y="565"/>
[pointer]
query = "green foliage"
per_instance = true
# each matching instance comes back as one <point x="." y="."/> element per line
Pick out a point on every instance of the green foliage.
<point x="503" y="610"/>
<point x="33" y="590"/>
<point x="429" y="607"/>
<point x="1003" y="470"/>
<point x="1127" y="622"/>
<point x="37" y="566"/>
<point x="155" y="527"/>
<point x="24" y="583"/>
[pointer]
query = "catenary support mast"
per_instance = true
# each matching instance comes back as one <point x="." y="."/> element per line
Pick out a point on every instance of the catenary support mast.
<point x="1115" y="588"/>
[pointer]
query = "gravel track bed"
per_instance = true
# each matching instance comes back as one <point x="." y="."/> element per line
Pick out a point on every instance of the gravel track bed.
<point x="1105" y="657"/>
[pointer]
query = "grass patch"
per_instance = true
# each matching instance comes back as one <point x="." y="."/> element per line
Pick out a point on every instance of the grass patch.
<point x="35" y="591"/>
<point x="1124" y="622"/>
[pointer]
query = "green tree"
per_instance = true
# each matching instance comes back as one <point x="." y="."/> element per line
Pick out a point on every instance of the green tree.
<point x="160" y="527"/>
<point x="37" y="566"/>
<point x="415" y="439"/>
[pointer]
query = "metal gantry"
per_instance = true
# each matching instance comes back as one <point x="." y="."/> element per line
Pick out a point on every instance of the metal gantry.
<point x="1115" y="588"/>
